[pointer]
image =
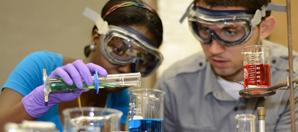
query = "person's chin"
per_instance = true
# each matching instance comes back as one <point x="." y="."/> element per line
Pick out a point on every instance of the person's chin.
<point x="226" y="72"/>
<point x="221" y="71"/>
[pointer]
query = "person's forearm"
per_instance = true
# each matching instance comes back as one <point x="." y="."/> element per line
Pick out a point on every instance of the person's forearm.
<point x="15" y="114"/>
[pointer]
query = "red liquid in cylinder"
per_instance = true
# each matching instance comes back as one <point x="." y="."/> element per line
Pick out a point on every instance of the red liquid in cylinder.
<point x="257" y="75"/>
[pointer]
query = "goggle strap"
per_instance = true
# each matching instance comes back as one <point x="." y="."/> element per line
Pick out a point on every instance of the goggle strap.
<point x="101" y="25"/>
<point x="261" y="13"/>
<point x="139" y="35"/>
<point x="186" y="13"/>
<point x="277" y="8"/>
<point x="258" y="15"/>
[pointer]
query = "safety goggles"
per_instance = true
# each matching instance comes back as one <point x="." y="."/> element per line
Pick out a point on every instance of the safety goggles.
<point x="122" y="46"/>
<point x="229" y="27"/>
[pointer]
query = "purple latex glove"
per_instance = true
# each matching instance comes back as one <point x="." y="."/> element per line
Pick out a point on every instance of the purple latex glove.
<point x="71" y="73"/>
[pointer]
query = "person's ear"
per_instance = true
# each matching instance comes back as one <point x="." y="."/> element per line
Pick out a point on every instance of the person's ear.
<point x="267" y="27"/>
<point x="95" y="37"/>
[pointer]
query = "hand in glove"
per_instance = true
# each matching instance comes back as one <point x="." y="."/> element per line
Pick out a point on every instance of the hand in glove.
<point x="71" y="73"/>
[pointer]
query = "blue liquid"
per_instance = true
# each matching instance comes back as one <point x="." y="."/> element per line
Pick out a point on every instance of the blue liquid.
<point x="145" y="125"/>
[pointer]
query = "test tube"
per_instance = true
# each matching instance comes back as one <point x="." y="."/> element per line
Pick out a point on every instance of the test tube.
<point x="110" y="81"/>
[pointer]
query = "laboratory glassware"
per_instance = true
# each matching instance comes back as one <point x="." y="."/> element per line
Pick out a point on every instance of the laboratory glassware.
<point x="146" y="108"/>
<point x="256" y="67"/>
<point x="245" y="122"/>
<point x="110" y="81"/>
<point x="91" y="119"/>
<point x="30" y="126"/>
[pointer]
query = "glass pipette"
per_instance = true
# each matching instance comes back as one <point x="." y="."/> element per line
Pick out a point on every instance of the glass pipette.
<point x="110" y="81"/>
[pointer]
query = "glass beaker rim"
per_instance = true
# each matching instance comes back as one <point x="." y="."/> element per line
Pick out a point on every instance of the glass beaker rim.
<point x="241" y="116"/>
<point x="145" y="89"/>
<point x="73" y="109"/>
<point x="265" y="47"/>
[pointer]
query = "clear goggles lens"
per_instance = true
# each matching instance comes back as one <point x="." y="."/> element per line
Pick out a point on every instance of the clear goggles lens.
<point x="123" y="46"/>
<point x="227" y="27"/>
<point x="228" y="33"/>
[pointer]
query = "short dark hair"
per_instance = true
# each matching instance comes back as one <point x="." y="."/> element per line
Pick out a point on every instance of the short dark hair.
<point x="132" y="16"/>
<point x="250" y="5"/>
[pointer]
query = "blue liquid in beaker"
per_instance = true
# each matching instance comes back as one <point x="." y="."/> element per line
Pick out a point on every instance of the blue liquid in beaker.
<point x="145" y="125"/>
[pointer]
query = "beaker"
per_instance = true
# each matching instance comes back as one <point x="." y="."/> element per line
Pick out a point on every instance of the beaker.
<point x="91" y="119"/>
<point x="256" y="66"/>
<point x="245" y="122"/>
<point x="146" y="107"/>
<point x="30" y="126"/>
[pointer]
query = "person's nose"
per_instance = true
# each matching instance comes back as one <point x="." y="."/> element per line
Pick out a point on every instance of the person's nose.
<point x="125" y="68"/>
<point x="216" y="47"/>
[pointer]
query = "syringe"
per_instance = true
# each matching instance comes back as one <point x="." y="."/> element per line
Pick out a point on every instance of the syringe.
<point x="110" y="81"/>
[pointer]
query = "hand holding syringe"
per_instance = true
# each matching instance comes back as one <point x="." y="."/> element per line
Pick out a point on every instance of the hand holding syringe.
<point x="110" y="81"/>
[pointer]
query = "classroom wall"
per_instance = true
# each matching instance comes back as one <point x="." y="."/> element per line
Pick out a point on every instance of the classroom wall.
<point x="178" y="41"/>
<point x="34" y="25"/>
<point x="280" y="34"/>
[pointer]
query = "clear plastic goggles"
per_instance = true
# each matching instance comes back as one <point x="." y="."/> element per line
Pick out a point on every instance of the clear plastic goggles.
<point x="123" y="45"/>
<point x="229" y="27"/>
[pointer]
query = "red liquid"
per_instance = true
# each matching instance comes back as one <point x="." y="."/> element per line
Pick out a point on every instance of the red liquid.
<point x="257" y="75"/>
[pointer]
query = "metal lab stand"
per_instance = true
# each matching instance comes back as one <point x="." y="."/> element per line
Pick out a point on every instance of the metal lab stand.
<point x="288" y="85"/>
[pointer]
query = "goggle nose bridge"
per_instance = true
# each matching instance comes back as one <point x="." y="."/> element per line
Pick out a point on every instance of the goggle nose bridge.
<point x="212" y="36"/>
<point x="137" y="59"/>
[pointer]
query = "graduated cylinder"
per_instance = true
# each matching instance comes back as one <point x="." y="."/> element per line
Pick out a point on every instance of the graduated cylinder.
<point x="110" y="81"/>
